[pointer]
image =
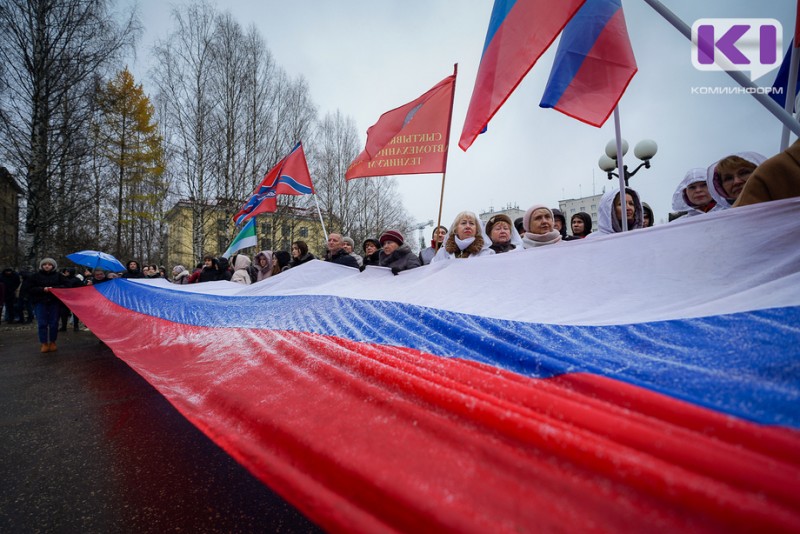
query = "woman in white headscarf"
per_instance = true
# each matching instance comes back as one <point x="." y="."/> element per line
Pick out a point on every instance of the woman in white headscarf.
<point x="465" y="239"/>
<point x="539" y="226"/>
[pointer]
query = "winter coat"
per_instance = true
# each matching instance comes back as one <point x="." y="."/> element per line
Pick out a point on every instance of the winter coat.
<point x="305" y="258"/>
<point x="401" y="259"/>
<point x="10" y="281"/>
<point x="266" y="271"/>
<point x="40" y="280"/>
<point x="209" y="274"/>
<point x="607" y="220"/>
<point x="343" y="258"/>
<point x="133" y="273"/>
<point x="680" y="200"/>
<point x="372" y="259"/>
<point x="223" y="268"/>
<point x="241" y="275"/>
<point x="776" y="178"/>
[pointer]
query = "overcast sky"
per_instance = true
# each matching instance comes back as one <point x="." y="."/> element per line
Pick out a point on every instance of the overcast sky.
<point x="365" y="57"/>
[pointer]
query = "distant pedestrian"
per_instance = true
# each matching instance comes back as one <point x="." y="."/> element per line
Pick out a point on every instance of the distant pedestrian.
<point x="46" y="304"/>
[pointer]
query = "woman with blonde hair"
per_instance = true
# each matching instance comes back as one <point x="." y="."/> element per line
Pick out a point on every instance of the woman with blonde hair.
<point x="465" y="239"/>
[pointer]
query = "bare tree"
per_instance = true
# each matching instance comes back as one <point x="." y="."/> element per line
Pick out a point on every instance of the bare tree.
<point x="335" y="146"/>
<point x="183" y="75"/>
<point x="51" y="50"/>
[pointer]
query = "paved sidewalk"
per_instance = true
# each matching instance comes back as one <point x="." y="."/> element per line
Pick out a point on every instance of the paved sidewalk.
<point x="86" y="445"/>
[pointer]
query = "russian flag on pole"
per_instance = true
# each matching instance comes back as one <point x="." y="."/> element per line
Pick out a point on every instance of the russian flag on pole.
<point x="449" y="398"/>
<point x="594" y="64"/>
<point x="289" y="177"/>
<point x="519" y="33"/>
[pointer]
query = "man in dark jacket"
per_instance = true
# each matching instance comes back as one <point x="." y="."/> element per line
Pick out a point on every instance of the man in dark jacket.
<point x="395" y="254"/>
<point x="337" y="253"/>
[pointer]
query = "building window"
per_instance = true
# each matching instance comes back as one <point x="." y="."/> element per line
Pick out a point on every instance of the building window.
<point x="285" y="245"/>
<point x="303" y="231"/>
<point x="222" y="225"/>
<point x="266" y="228"/>
<point x="286" y="230"/>
<point x="266" y="243"/>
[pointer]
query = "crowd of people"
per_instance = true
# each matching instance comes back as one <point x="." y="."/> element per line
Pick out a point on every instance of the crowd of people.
<point x="736" y="180"/>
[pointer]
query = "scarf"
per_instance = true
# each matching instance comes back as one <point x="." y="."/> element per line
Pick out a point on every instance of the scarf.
<point x="538" y="240"/>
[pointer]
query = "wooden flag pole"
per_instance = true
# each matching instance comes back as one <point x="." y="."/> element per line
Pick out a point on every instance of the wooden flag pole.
<point x="447" y="155"/>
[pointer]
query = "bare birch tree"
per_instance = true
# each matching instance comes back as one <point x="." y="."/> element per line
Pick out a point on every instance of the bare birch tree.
<point x="51" y="50"/>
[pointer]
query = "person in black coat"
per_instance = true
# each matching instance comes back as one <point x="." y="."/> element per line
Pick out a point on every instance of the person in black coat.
<point x="337" y="253"/>
<point x="372" y="249"/>
<point x="46" y="304"/>
<point x="395" y="254"/>
<point x="133" y="270"/>
<point x="300" y="255"/>
<point x="10" y="280"/>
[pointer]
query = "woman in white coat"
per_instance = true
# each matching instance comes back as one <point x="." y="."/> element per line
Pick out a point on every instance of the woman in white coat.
<point x="465" y="239"/>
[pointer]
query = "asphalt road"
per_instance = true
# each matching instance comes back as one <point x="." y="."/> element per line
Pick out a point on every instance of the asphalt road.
<point x="87" y="445"/>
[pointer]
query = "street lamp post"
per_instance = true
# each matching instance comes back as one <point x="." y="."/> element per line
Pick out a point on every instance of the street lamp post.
<point x="644" y="150"/>
<point x="421" y="226"/>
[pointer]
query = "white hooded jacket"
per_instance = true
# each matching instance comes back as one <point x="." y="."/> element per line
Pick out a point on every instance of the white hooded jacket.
<point x="607" y="220"/>
<point x="714" y="180"/>
<point x="680" y="200"/>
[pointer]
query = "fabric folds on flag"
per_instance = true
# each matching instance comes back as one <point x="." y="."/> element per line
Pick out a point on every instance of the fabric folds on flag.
<point x="289" y="177"/>
<point x="245" y="238"/>
<point x="422" y="402"/>
<point x="519" y="33"/>
<point x="594" y="64"/>
<point x="781" y="85"/>
<point x="410" y="139"/>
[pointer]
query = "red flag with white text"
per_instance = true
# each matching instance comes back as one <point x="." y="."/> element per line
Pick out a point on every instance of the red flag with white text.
<point x="411" y="139"/>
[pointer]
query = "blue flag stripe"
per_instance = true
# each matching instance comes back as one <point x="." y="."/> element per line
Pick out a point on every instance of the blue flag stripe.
<point x="692" y="359"/>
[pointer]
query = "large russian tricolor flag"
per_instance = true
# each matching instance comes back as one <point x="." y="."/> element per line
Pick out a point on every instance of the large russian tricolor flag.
<point x="646" y="381"/>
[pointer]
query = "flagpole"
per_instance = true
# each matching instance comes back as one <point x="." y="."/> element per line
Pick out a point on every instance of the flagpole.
<point x="447" y="155"/>
<point x="773" y="107"/>
<point x="324" y="231"/>
<point x="621" y="171"/>
<point x="791" y="87"/>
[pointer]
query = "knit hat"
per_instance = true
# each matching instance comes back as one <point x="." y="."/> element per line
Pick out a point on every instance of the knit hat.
<point x="392" y="235"/>
<point x="349" y="241"/>
<point x="496" y="219"/>
<point x="51" y="261"/>
<point x="370" y="240"/>
<point x="178" y="269"/>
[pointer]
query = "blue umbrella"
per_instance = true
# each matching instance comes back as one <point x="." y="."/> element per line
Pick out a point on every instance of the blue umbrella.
<point x="95" y="259"/>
